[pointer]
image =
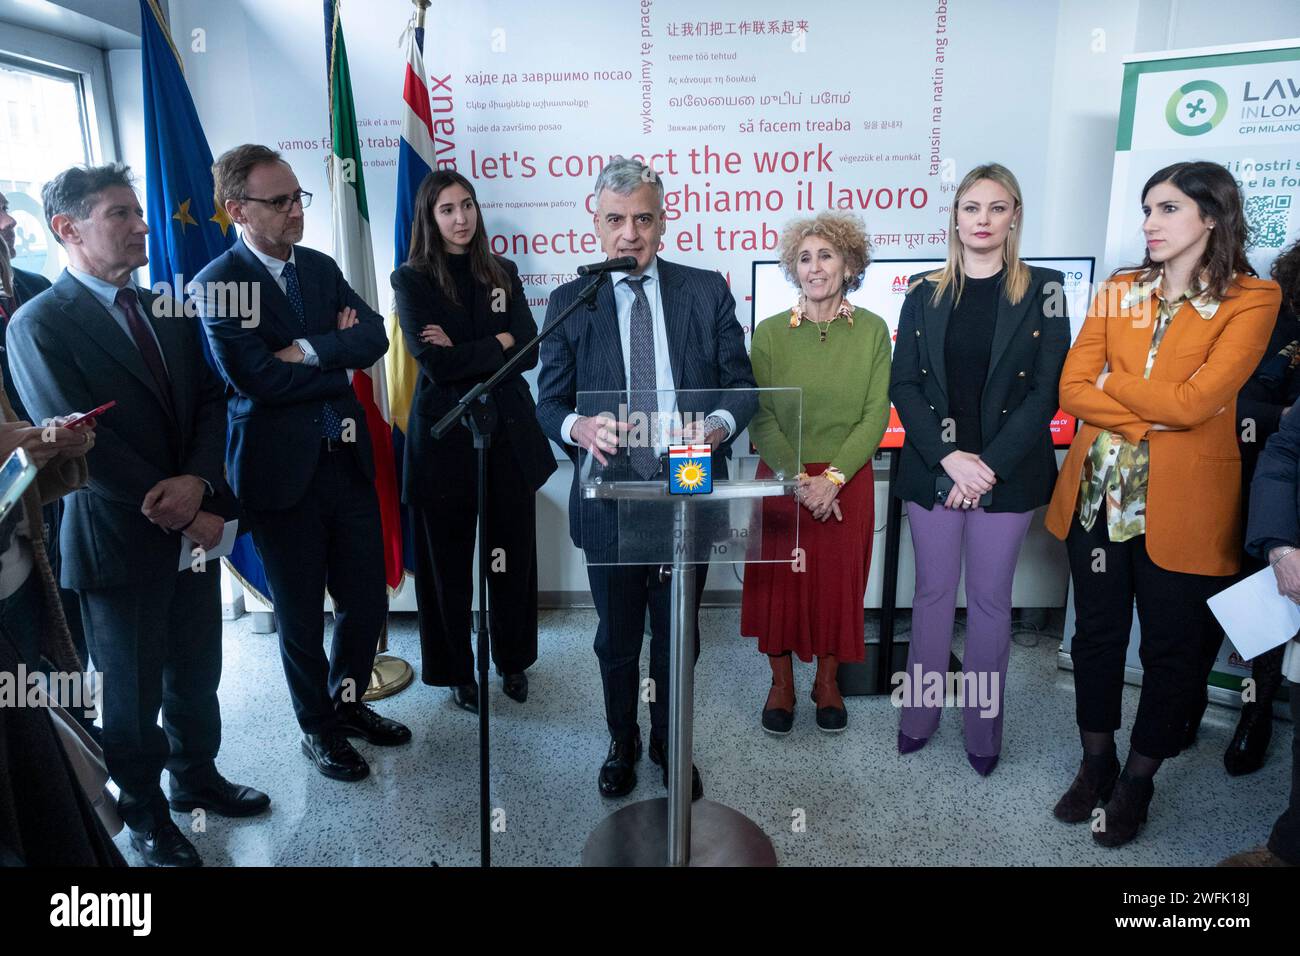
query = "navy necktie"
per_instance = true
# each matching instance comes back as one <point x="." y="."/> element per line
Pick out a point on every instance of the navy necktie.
<point x="642" y="380"/>
<point x="331" y="424"/>
<point x="145" y="342"/>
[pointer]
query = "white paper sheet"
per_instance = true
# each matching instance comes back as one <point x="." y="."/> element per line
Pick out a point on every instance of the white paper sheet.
<point x="223" y="548"/>
<point x="1254" y="616"/>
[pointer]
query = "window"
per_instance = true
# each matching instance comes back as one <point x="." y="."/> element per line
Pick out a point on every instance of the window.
<point x="43" y="129"/>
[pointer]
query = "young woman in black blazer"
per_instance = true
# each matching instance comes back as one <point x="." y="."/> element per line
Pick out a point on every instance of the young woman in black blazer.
<point x="977" y="361"/>
<point x="463" y="314"/>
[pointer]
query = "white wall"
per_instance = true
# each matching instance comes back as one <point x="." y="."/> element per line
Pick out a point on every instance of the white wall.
<point x="1093" y="37"/>
<point x="1185" y="24"/>
<point x="1091" y="42"/>
<point x="1069" y="218"/>
<point x="125" y="78"/>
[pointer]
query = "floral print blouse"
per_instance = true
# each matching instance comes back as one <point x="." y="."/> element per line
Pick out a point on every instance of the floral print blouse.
<point x="1115" y="472"/>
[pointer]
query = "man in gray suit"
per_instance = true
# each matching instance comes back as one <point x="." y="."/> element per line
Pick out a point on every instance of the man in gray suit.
<point x="156" y="471"/>
<point x="661" y="326"/>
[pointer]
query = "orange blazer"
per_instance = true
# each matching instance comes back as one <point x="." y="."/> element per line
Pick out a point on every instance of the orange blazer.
<point x="1194" y="486"/>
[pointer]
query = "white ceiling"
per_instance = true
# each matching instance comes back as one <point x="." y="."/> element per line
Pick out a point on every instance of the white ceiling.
<point x="107" y="24"/>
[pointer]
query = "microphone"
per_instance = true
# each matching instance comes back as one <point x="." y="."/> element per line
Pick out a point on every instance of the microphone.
<point x="624" y="264"/>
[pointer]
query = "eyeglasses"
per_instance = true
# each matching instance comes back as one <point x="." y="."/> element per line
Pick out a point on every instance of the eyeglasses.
<point x="284" y="203"/>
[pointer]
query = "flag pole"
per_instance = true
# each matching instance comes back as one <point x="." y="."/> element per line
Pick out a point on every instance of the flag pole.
<point x="389" y="674"/>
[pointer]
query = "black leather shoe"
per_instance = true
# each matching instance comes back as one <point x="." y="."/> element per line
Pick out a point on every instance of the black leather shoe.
<point x="358" y="720"/>
<point x="618" y="772"/>
<point x="165" y="845"/>
<point x="1249" y="745"/>
<point x="777" y="722"/>
<point x="657" y="754"/>
<point x="831" y="720"/>
<point x="221" y="797"/>
<point x="334" y="756"/>
<point x="465" y="696"/>
<point x="515" y="686"/>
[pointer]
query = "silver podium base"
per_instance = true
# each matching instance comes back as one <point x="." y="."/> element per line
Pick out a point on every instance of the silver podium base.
<point x="637" y="835"/>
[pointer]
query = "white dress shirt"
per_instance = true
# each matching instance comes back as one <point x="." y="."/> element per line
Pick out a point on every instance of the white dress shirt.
<point x="624" y="299"/>
<point x="276" y="268"/>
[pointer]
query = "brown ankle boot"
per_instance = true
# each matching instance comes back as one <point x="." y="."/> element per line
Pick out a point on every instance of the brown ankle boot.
<point x="778" y="712"/>
<point x="831" y="714"/>
<point x="1125" y="811"/>
<point x="1092" y="785"/>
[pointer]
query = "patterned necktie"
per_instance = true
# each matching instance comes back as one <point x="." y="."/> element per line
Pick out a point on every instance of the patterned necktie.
<point x="642" y="380"/>
<point x="145" y="342"/>
<point x="331" y="424"/>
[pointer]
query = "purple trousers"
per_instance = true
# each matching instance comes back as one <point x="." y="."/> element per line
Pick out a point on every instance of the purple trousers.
<point x="990" y="544"/>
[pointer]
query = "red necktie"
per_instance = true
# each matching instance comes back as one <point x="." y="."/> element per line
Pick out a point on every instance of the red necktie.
<point x="144" y="341"/>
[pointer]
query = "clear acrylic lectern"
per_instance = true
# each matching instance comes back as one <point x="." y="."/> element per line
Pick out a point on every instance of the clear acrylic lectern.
<point x="654" y="492"/>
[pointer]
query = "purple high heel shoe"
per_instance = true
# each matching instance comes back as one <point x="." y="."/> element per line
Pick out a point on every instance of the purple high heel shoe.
<point x="983" y="765"/>
<point x="910" y="745"/>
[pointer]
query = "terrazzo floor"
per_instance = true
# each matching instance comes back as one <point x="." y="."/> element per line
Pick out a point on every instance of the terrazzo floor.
<point x="859" y="801"/>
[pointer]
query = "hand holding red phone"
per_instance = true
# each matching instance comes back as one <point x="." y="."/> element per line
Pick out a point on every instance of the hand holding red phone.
<point x="86" y="420"/>
<point x="17" y="434"/>
<point x="41" y="442"/>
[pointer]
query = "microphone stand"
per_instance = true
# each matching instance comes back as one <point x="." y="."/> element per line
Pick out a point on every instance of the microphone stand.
<point x="477" y="412"/>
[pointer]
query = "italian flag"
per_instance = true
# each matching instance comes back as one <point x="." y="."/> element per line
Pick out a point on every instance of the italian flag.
<point x="350" y="217"/>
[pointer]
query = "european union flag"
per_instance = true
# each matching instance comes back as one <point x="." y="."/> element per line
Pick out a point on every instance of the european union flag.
<point x="690" y="469"/>
<point x="186" y="230"/>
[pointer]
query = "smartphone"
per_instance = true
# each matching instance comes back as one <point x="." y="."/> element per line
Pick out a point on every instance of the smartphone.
<point x="15" y="475"/>
<point x="943" y="486"/>
<point x="93" y="413"/>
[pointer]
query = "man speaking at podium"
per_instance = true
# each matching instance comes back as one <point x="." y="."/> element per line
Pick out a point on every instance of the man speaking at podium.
<point x="660" y="326"/>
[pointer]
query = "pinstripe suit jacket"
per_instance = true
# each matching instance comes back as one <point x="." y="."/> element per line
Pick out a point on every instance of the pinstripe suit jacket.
<point x="68" y="354"/>
<point x="707" y="351"/>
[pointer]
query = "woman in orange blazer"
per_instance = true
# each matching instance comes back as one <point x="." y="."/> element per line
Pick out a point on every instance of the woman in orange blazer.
<point x="1148" y="500"/>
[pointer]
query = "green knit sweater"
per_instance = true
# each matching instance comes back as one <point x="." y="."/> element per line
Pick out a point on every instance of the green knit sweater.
<point x="845" y="382"/>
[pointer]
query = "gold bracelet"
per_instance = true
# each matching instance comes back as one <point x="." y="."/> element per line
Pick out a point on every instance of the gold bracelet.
<point x="834" y="476"/>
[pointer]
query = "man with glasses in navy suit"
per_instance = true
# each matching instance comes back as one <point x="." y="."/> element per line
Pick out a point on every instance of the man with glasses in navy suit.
<point x="286" y="330"/>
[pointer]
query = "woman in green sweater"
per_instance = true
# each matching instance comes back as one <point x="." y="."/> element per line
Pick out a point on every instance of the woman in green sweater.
<point x="839" y="355"/>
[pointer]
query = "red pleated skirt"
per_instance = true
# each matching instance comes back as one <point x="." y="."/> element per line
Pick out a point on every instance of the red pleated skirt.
<point x="816" y="611"/>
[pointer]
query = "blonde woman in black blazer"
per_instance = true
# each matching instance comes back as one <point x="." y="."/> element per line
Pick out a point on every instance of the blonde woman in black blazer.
<point x="976" y="368"/>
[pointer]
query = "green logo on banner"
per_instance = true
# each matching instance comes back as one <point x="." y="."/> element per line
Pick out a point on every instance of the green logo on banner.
<point x="1196" y="107"/>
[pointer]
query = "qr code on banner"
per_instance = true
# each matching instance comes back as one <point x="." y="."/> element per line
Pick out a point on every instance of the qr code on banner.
<point x="1266" y="220"/>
